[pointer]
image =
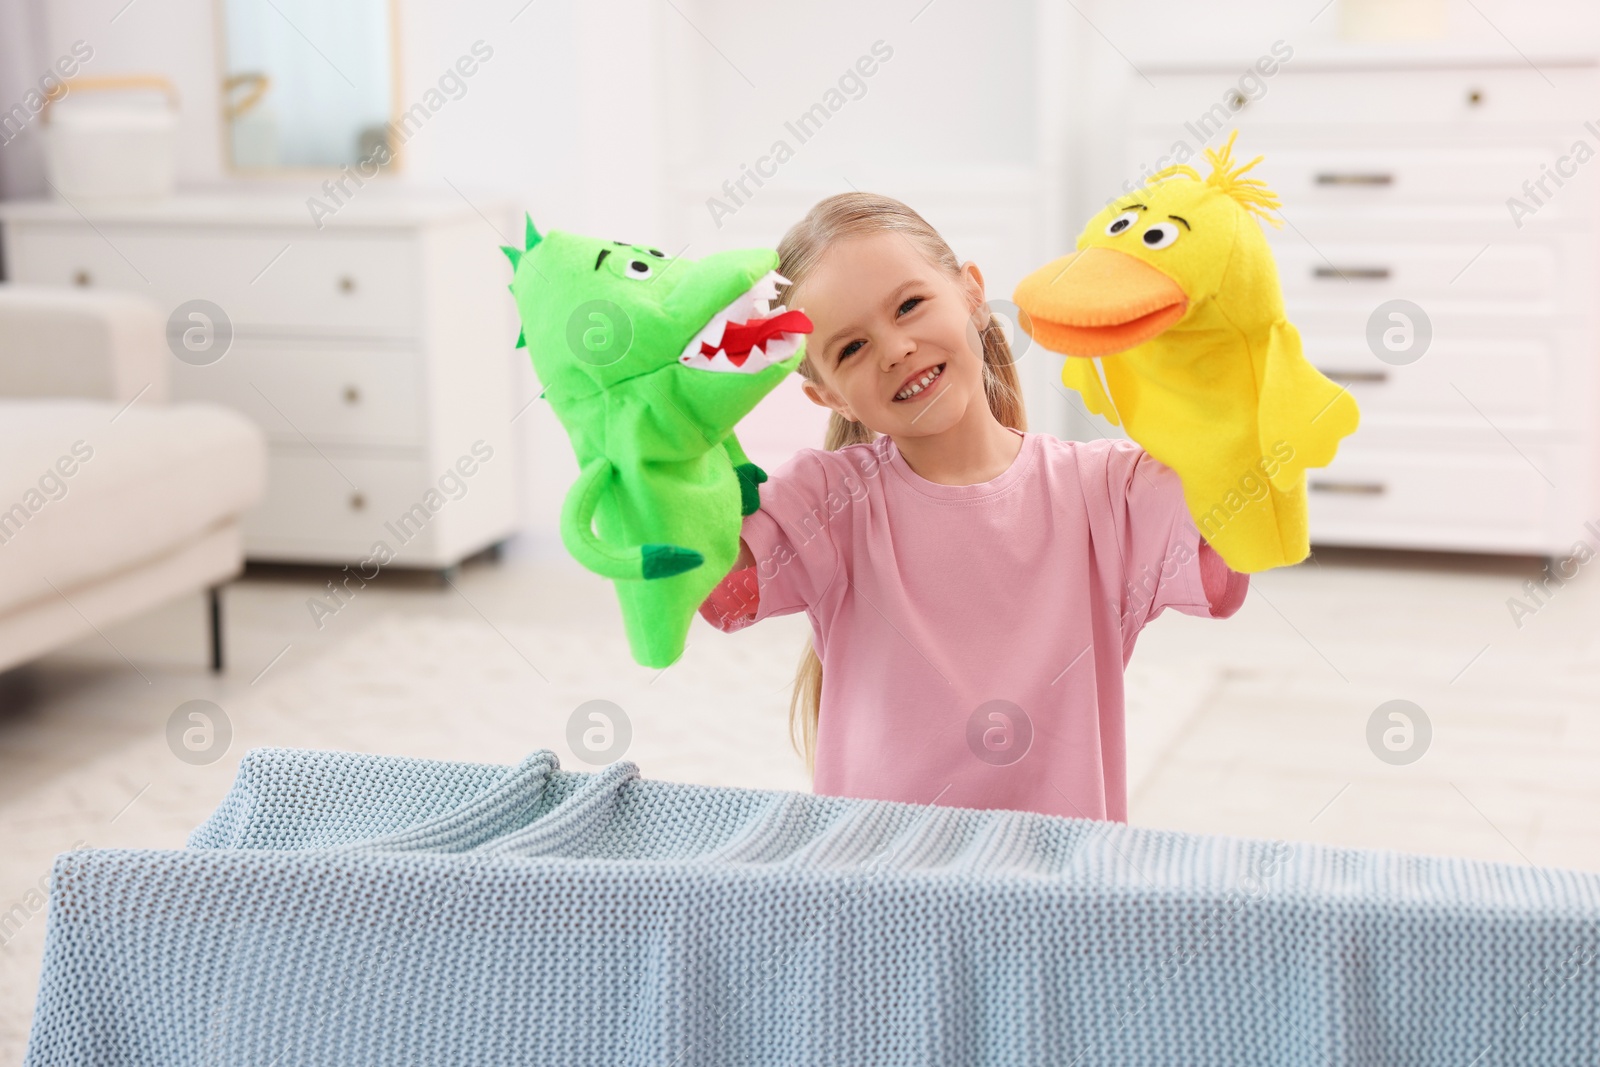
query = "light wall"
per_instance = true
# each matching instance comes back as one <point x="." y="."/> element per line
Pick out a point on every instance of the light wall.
<point x="999" y="123"/>
<point x="624" y="118"/>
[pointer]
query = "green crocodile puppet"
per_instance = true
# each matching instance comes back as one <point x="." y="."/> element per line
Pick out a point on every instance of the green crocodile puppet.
<point x="649" y="362"/>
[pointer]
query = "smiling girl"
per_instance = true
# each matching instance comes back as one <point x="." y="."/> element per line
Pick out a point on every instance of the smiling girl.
<point x="974" y="589"/>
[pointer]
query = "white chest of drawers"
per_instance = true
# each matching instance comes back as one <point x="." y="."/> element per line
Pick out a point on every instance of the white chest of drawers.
<point x="376" y="352"/>
<point x="1395" y="185"/>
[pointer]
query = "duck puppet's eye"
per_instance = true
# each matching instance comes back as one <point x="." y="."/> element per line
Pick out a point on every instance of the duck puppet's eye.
<point x="1121" y="223"/>
<point x="1160" y="235"/>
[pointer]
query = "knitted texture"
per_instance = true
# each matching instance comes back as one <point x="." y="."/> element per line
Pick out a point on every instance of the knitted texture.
<point x="341" y="909"/>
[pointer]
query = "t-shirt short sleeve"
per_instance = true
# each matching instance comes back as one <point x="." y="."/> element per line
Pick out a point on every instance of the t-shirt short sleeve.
<point x="1166" y="564"/>
<point x="795" y="534"/>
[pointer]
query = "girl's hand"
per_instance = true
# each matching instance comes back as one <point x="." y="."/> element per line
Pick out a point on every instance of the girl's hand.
<point x="731" y="605"/>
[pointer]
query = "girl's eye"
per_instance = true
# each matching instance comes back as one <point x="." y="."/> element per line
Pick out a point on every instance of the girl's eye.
<point x="913" y="301"/>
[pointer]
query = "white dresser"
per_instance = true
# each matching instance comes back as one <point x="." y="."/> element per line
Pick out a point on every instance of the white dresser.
<point x="1395" y="185"/>
<point x="376" y="353"/>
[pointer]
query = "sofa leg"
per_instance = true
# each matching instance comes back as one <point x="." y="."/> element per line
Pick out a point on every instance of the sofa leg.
<point x="216" y="628"/>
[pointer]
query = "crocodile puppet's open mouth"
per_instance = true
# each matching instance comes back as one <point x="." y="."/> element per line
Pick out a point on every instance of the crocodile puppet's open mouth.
<point x="747" y="327"/>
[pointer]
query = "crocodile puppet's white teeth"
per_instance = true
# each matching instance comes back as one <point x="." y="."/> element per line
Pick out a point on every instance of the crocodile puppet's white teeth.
<point x="755" y="302"/>
<point x="765" y="291"/>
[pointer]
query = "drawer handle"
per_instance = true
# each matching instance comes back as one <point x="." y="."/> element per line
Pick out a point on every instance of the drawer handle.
<point x="81" y="278"/>
<point x="1335" y="178"/>
<point x="1364" y="273"/>
<point x="1355" y="375"/>
<point x="347" y="284"/>
<point x="1474" y="97"/>
<point x="352" y="395"/>
<point x="1359" y="488"/>
<point x="358" y="501"/>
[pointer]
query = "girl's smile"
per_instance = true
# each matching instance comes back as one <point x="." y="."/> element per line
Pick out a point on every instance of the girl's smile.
<point x="919" y="385"/>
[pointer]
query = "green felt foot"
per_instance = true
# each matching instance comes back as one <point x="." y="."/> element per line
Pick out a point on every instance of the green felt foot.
<point x="750" y="476"/>
<point x="663" y="561"/>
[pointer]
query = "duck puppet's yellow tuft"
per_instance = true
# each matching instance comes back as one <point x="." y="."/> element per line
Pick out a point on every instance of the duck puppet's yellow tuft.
<point x="1173" y="294"/>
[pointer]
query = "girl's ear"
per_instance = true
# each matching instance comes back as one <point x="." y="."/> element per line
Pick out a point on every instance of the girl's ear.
<point x="978" y="317"/>
<point x="972" y="282"/>
<point x="822" y="396"/>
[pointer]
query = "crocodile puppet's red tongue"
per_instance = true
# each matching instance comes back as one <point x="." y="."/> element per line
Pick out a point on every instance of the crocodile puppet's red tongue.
<point x="738" y="338"/>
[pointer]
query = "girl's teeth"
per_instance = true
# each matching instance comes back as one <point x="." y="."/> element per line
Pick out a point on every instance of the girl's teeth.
<point x="920" y="385"/>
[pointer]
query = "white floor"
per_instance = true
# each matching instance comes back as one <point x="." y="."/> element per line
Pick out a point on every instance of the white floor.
<point x="1255" y="725"/>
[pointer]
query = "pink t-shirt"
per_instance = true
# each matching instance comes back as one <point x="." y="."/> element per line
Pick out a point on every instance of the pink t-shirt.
<point x="973" y="637"/>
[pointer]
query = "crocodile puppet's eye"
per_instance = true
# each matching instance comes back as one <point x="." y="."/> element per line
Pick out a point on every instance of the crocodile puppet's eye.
<point x="638" y="268"/>
<point x="1121" y="222"/>
<point x="657" y="253"/>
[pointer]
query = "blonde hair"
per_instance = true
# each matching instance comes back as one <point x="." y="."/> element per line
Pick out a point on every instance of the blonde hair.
<point x="834" y="219"/>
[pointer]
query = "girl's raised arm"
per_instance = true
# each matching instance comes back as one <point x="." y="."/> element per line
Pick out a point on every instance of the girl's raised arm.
<point x="788" y="556"/>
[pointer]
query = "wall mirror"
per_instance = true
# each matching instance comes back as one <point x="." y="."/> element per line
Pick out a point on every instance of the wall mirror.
<point x="308" y="84"/>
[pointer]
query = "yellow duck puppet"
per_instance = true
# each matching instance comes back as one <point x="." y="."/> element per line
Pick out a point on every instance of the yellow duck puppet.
<point x="1175" y="288"/>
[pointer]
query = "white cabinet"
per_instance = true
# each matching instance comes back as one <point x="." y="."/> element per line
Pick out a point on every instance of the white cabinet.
<point x="376" y="353"/>
<point x="1397" y="184"/>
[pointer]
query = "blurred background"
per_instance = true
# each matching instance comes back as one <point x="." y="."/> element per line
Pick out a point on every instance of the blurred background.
<point x="253" y="325"/>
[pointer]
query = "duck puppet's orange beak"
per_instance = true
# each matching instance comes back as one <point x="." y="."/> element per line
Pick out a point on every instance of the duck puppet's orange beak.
<point x="1097" y="302"/>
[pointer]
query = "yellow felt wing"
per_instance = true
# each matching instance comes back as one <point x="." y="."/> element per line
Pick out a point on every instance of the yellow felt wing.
<point x="1083" y="374"/>
<point x="1300" y="407"/>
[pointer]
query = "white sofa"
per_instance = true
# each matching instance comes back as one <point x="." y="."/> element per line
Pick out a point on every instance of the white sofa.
<point x="112" y="500"/>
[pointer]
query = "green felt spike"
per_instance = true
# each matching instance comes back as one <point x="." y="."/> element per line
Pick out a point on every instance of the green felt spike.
<point x="750" y="476"/>
<point x="532" y="237"/>
<point x="663" y="561"/>
<point x="522" y="339"/>
<point x="512" y="253"/>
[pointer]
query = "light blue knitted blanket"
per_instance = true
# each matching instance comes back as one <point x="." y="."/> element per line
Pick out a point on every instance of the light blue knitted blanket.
<point x="346" y="909"/>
